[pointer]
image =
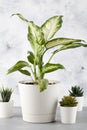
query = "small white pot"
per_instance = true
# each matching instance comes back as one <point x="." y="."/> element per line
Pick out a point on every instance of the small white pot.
<point x="68" y="114"/>
<point x="38" y="107"/>
<point x="6" y="109"/>
<point x="80" y="101"/>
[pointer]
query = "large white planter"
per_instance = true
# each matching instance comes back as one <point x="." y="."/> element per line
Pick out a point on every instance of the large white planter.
<point x="68" y="114"/>
<point x="80" y="101"/>
<point x="6" y="109"/>
<point x="38" y="107"/>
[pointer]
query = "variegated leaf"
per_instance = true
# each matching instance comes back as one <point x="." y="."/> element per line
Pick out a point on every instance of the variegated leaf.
<point x="61" y="41"/>
<point x="51" y="26"/>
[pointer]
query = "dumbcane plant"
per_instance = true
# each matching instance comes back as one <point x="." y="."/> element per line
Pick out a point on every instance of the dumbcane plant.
<point x="41" y="40"/>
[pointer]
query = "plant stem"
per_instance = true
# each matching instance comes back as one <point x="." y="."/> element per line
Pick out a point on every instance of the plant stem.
<point x="56" y="51"/>
<point x="50" y="58"/>
<point x="40" y="69"/>
<point x="35" y="75"/>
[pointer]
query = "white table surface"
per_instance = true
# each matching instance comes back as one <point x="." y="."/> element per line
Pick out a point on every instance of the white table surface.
<point x="16" y="123"/>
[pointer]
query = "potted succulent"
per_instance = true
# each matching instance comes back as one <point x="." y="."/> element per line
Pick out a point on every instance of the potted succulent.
<point x="77" y="91"/>
<point x="39" y="105"/>
<point x="6" y="106"/>
<point x="68" y="109"/>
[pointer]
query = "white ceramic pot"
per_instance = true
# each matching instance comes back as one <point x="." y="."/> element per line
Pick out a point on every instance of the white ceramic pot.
<point x="38" y="107"/>
<point x="80" y="101"/>
<point x="68" y="114"/>
<point x="6" y="109"/>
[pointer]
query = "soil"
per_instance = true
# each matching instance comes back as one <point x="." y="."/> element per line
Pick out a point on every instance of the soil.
<point x="32" y="83"/>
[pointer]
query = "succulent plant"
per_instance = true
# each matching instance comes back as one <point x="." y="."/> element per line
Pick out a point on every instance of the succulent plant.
<point x="76" y="91"/>
<point x="68" y="101"/>
<point x="5" y="94"/>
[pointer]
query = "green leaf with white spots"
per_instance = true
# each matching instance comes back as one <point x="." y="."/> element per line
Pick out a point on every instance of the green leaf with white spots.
<point x="18" y="66"/>
<point x="50" y="67"/>
<point x="43" y="83"/>
<point x="51" y="26"/>
<point x="61" y="41"/>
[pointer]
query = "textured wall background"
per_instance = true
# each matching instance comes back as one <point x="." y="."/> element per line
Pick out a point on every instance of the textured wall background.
<point x="14" y="44"/>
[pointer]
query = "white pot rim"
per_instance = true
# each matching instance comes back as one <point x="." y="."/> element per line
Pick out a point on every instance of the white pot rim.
<point x="68" y="107"/>
<point x="31" y="82"/>
<point x="11" y="101"/>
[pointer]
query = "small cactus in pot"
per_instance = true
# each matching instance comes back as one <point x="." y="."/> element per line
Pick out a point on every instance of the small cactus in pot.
<point x="68" y="109"/>
<point x="5" y="94"/>
<point x="6" y="105"/>
<point x="78" y="92"/>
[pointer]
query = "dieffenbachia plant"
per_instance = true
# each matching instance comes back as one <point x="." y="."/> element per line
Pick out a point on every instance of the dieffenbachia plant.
<point x="41" y="40"/>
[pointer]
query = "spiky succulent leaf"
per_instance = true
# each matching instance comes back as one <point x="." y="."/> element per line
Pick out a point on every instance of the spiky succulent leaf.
<point x="5" y="94"/>
<point x="49" y="67"/>
<point x="76" y="91"/>
<point x="61" y="41"/>
<point x="18" y="66"/>
<point x="68" y="101"/>
<point x="51" y="26"/>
